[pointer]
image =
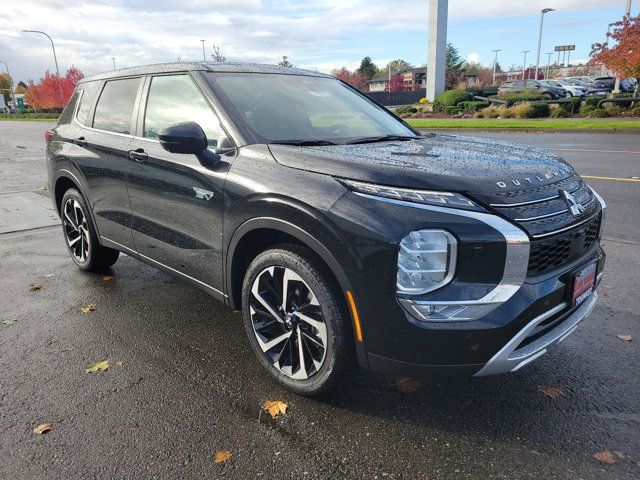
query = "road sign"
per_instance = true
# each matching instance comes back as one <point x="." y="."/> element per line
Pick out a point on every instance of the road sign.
<point x="565" y="48"/>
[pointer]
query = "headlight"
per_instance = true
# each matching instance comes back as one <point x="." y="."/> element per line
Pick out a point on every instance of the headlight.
<point x="442" y="199"/>
<point x="426" y="261"/>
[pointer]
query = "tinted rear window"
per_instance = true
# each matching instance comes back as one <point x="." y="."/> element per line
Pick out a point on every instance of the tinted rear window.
<point x="89" y="92"/>
<point x="115" y="106"/>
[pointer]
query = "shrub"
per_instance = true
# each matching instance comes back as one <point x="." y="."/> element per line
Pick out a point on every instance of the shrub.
<point x="491" y="111"/>
<point x="451" y="98"/>
<point x="559" y="113"/>
<point x="592" y="101"/>
<point x="572" y="105"/>
<point x="531" y="110"/>
<point x="598" y="113"/>
<point x="472" y="106"/>
<point x="613" y="109"/>
<point x="423" y="101"/>
<point x="524" y="96"/>
<point x="586" y="109"/>
<point x="403" y="110"/>
<point x="622" y="95"/>
<point x="505" y="112"/>
<point x="451" y="109"/>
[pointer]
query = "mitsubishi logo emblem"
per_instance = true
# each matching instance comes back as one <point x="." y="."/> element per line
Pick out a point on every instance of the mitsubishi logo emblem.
<point x="574" y="207"/>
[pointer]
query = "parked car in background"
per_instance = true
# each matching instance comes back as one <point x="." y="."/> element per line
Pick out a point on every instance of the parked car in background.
<point x="584" y="79"/>
<point x="538" y="86"/>
<point x="572" y="87"/>
<point x="603" y="85"/>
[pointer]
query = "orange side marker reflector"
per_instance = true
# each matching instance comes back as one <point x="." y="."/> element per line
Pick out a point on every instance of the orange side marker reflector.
<point x="354" y="315"/>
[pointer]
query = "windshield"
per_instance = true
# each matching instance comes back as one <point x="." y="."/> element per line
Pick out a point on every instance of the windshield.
<point x="276" y="108"/>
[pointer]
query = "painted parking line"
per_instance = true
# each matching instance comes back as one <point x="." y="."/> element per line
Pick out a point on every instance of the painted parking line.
<point x="594" y="151"/>
<point x="615" y="179"/>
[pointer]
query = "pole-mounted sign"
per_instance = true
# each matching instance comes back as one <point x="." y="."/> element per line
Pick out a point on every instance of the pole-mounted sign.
<point x="565" y="48"/>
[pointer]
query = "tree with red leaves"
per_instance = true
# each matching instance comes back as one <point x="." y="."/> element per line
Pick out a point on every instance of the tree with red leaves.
<point x="396" y="84"/>
<point x="52" y="92"/>
<point x="623" y="58"/>
<point x="355" y="79"/>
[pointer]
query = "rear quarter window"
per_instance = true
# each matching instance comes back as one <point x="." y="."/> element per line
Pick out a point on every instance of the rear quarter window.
<point x="67" y="113"/>
<point x="115" y="105"/>
<point x="88" y="92"/>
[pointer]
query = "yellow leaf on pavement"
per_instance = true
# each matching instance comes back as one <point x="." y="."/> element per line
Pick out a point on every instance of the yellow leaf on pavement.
<point x="625" y="338"/>
<point x="88" y="308"/>
<point x="551" y="392"/>
<point x="107" y="278"/>
<point x="42" y="428"/>
<point x="8" y="322"/>
<point x="275" y="407"/>
<point x="97" y="367"/>
<point x="406" y="385"/>
<point x="34" y="288"/>
<point x="222" y="456"/>
<point x="119" y="363"/>
<point x="605" y="457"/>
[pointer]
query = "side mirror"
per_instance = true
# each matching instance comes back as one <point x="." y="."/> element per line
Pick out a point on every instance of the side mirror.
<point x="187" y="138"/>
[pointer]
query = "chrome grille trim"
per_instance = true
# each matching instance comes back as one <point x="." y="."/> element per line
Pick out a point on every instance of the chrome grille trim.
<point x="531" y="202"/>
<point x="555" y="232"/>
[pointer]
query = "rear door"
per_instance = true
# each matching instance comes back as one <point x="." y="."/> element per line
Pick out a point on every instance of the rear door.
<point x="105" y="118"/>
<point x="176" y="202"/>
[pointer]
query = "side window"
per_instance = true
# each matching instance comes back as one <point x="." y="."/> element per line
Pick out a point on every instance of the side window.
<point x="89" y="92"/>
<point x="174" y="99"/>
<point x="115" y="106"/>
<point x="67" y="114"/>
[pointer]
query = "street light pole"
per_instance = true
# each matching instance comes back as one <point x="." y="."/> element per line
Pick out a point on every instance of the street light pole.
<point x="542" y="12"/>
<point x="524" y="62"/>
<point x="495" y="62"/>
<point x="55" y="59"/>
<point x="13" y="95"/>
<point x="548" y="64"/>
<point x="204" y="58"/>
<point x="114" y="62"/>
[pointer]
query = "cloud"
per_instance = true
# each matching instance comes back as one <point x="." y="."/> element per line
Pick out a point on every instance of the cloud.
<point x="473" y="57"/>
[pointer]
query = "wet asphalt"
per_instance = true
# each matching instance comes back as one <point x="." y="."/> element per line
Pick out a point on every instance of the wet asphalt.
<point x="183" y="382"/>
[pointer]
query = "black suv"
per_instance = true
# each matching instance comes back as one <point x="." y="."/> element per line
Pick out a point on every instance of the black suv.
<point x="335" y="227"/>
<point x="546" y="90"/>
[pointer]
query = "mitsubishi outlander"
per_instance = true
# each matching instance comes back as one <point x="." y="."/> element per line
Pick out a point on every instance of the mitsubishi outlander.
<point x="339" y="230"/>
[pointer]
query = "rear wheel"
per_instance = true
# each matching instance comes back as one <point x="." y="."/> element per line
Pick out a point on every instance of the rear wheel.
<point x="295" y="319"/>
<point x="80" y="235"/>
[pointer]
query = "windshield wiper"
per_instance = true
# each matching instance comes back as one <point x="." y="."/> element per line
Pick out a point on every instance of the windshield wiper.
<point x="305" y="143"/>
<point x="382" y="138"/>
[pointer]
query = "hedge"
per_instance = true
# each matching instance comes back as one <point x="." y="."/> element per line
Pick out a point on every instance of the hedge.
<point x="472" y="106"/>
<point x="451" y="109"/>
<point x="403" y="110"/>
<point x="572" y="106"/>
<point x="524" y="96"/>
<point x="450" y="98"/>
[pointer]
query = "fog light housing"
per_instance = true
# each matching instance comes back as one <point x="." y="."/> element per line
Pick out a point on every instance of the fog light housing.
<point x="426" y="261"/>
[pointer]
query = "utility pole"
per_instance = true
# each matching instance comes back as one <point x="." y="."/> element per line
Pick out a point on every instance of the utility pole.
<point x="524" y="62"/>
<point x="13" y="95"/>
<point x="542" y="12"/>
<point x="114" y="62"/>
<point x="548" y="64"/>
<point x="495" y="62"/>
<point x="436" y="70"/>
<point x="55" y="59"/>
<point x="204" y="57"/>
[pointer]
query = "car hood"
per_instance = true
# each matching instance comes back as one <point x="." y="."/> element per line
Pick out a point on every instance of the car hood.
<point x="439" y="162"/>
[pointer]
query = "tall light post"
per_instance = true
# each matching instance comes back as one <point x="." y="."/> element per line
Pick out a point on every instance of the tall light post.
<point x="524" y="62"/>
<point x="204" y="58"/>
<point x="495" y="62"/>
<point x="55" y="59"/>
<point x="542" y="12"/>
<point x="113" y="59"/>
<point x="13" y="95"/>
<point x="548" y="54"/>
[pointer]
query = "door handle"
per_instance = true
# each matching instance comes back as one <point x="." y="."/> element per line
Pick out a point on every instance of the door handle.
<point x="80" y="142"/>
<point x="138" y="155"/>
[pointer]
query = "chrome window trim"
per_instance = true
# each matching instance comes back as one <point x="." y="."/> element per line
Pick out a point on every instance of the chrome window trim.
<point x="517" y="254"/>
<point x="510" y="359"/>
<point x="133" y="252"/>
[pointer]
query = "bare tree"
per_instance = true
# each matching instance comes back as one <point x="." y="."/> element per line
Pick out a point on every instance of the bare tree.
<point x="217" y="56"/>
<point x="285" y="62"/>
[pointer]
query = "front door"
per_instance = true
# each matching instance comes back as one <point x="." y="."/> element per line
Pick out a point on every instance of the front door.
<point x="176" y="202"/>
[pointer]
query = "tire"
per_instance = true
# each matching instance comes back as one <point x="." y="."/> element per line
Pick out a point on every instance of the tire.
<point x="80" y="234"/>
<point x="315" y="312"/>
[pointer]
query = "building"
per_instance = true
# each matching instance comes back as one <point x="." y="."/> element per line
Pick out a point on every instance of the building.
<point x="412" y="79"/>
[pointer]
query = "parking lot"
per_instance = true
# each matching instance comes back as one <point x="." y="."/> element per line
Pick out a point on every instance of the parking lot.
<point x="183" y="382"/>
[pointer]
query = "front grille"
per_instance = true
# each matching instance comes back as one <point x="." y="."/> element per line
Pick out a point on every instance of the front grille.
<point x="557" y="250"/>
<point x="557" y="236"/>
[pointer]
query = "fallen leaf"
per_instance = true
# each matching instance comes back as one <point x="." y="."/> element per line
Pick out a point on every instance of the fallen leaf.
<point x="8" y="322"/>
<point x="119" y="363"/>
<point x="605" y="457"/>
<point x="48" y="275"/>
<point x="42" y="428"/>
<point x="88" y="308"/>
<point x="222" y="456"/>
<point x="107" y="278"/>
<point x="625" y="338"/>
<point x="552" y="392"/>
<point x="34" y="288"/>
<point x="97" y="367"/>
<point x="406" y="385"/>
<point x="618" y="454"/>
<point x="275" y="408"/>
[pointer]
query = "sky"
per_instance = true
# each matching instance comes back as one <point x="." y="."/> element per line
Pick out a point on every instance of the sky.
<point x="315" y="34"/>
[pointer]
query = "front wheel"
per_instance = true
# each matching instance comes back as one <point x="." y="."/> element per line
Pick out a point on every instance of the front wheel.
<point x="295" y="318"/>
<point x="80" y="234"/>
